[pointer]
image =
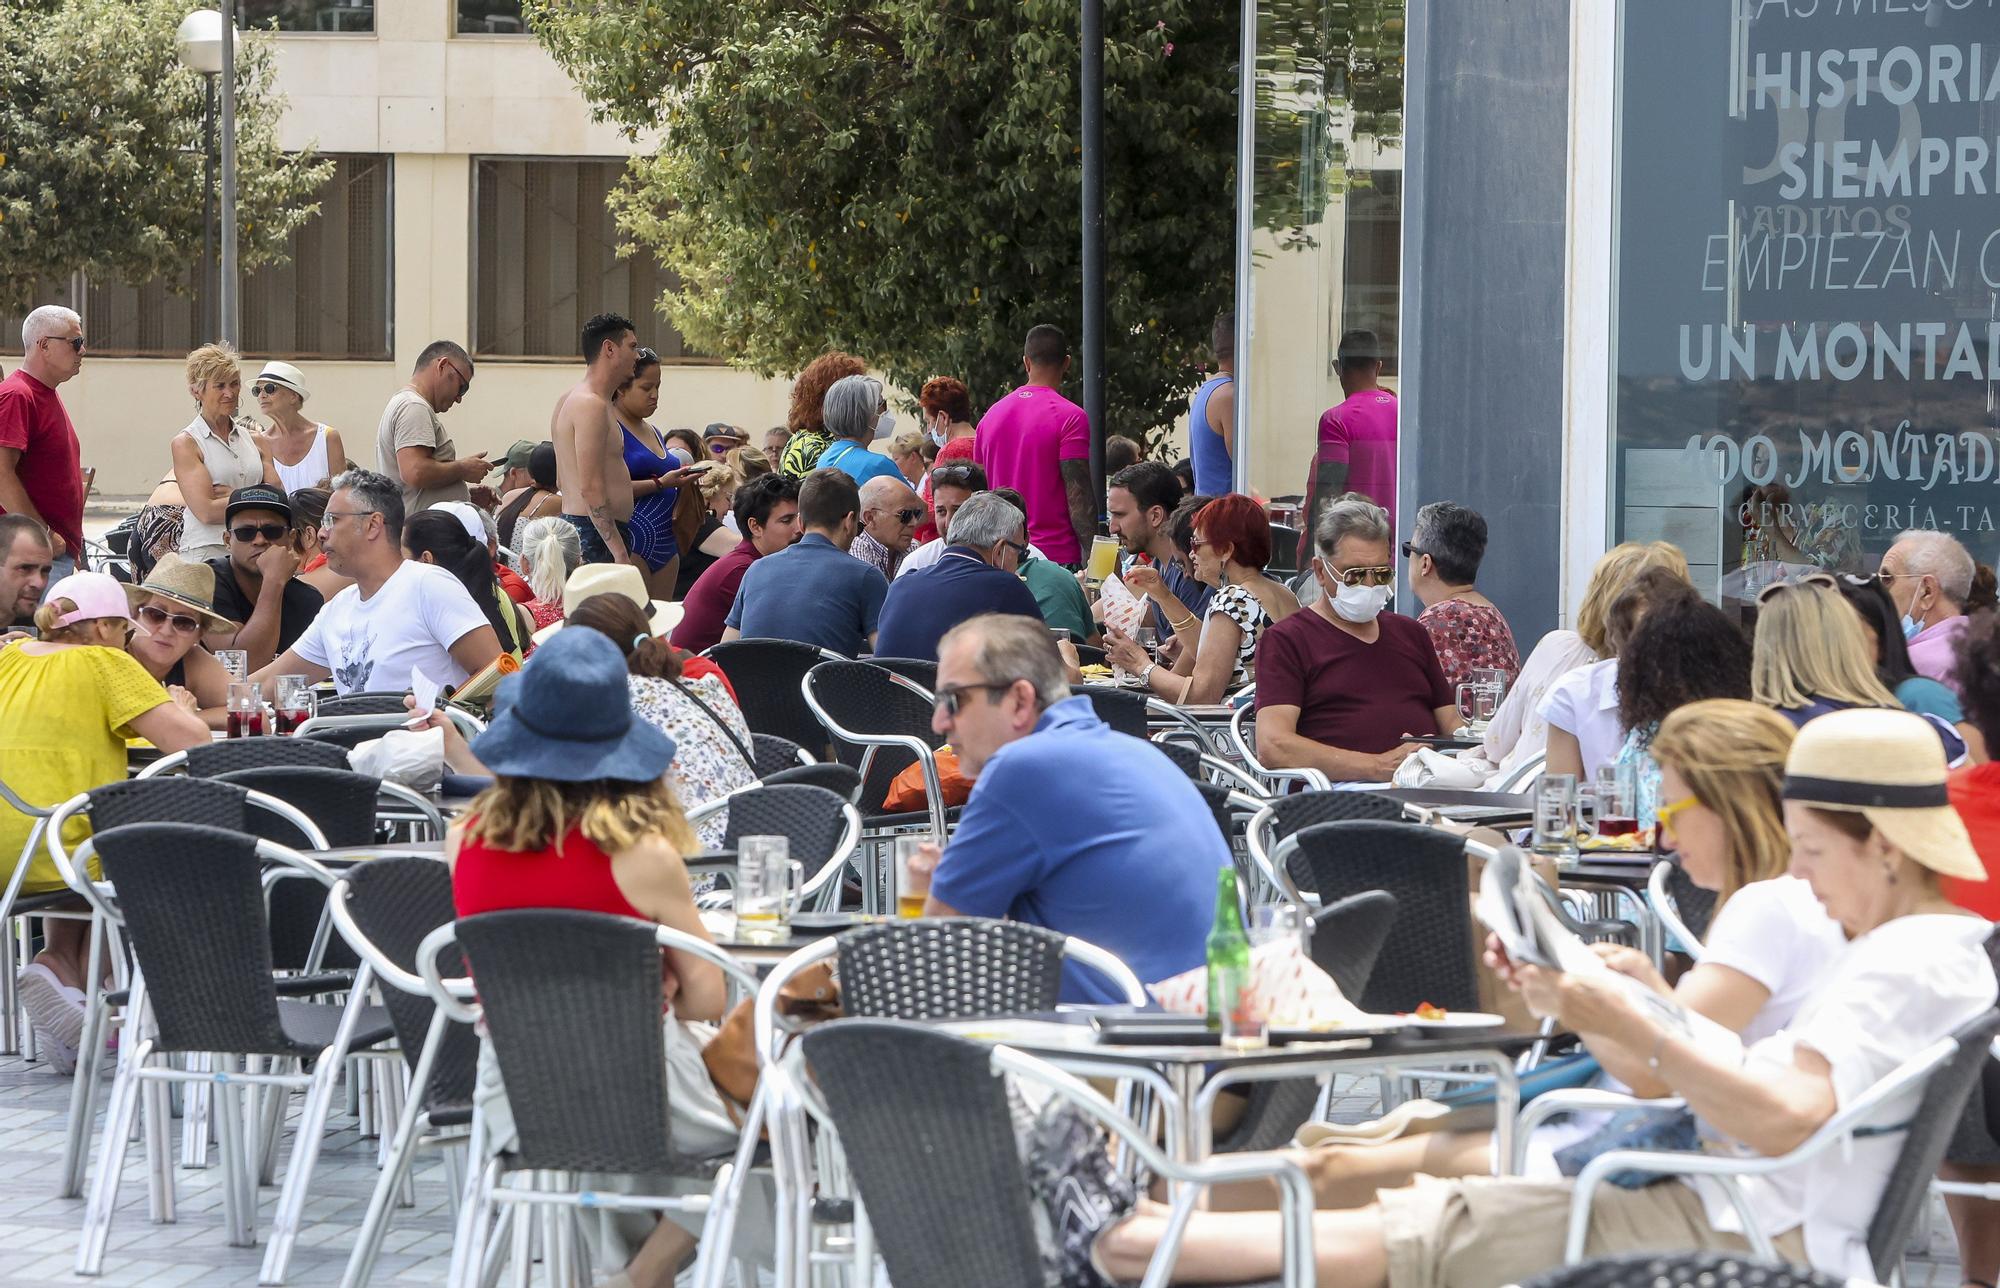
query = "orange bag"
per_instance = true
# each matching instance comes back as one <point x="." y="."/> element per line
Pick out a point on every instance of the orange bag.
<point x="906" y="792"/>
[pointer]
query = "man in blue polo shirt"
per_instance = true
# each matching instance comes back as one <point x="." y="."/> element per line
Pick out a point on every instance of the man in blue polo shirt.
<point x="814" y="591"/>
<point x="1070" y="825"/>
<point x="976" y="574"/>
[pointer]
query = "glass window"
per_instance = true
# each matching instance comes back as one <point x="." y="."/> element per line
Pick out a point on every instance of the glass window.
<point x="1372" y="293"/>
<point x="546" y="258"/>
<point x="308" y="15"/>
<point x="331" y="299"/>
<point x="1803" y="344"/>
<point x="490" y="17"/>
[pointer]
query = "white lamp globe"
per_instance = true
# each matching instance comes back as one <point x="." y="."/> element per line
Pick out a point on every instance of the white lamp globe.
<point x="198" y="42"/>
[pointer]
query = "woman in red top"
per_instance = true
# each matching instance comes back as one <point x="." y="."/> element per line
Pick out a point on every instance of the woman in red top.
<point x="580" y="816"/>
<point x="948" y="420"/>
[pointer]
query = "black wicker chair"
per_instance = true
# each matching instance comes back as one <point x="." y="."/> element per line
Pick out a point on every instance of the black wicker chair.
<point x="916" y="670"/>
<point x="1122" y="709"/>
<point x="343" y="804"/>
<point x="769" y="754"/>
<point x="1286" y="814"/>
<point x="1186" y="759"/>
<point x="949" y="969"/>
<point x="818" y="825"/>
<point x="248" y="753"/>
<point x="1430" y="959"/>
<point x="859" y="700"/>
<point x="1692" y="904"/>
<point x="1348" y="935"/>
<point x="1090" y="655"/>
<point x="766" y="675"/>
<point x="213" y="993"/>
<point x="370" y="703"/>
<point x="843" y="781"/>
<point x="1683" y="1270"/>
<point x="384" y="909"/>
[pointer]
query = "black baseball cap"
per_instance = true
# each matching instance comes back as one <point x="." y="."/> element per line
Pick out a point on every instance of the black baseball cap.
<point x="258" y="496"/>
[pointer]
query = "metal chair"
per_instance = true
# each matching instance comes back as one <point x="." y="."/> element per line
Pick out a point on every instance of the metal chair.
<point x="212" y="994"/>
<point x="1285" y="814"/>
<point x="1683" y="1270"/>
<point x="1122" y="709"/>
<point x="843" y="781"/>
<point x="822" y="828"/>
<point x="570" y="1002"/>
<point x="247" y="753"/>
<point x="766" y="675"/>
<point x="1430" y="959"/>
<point x="350" y="731"/>
<point x="770" y="754"/>
<point x="383" y="909"/>
<point x="1522" y="774"/>
<point x="1275" y="780"/>
<point x="374" y="702"/>
<point x="16" y="912"/>
<point x="917" y="670"/>
<point x="1680" y="904"/>
<point x="924" y="1120"/>
<point x="1348" y="935"/>
<point x="880" y="724"/>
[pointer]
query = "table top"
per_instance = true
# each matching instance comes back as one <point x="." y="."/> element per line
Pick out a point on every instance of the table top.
<point x="1632" y="873"/>
<point x="1069" y="1033"/>
<point x="1434" y="797"/>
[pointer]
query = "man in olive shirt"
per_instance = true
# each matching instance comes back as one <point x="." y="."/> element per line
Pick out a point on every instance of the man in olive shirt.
<point x="411" y="445"/>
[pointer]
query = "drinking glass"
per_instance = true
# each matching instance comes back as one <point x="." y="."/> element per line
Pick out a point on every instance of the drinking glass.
<point x="294" y="702"/>
<point x="1148" y="639"/>
<point x="1103" y="558"/>
<point x="766" y="882"/>
<point x="236" y="661"/>
<point x="913" y="874"/>
<point x="1555" y="799"/>
<point x="1273" y="923"/>
<point x="1617" y="801"/>
<point x="245" y="711"/>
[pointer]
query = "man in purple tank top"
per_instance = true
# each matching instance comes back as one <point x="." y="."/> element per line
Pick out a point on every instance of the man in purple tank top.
<point x="1357" y="439"/>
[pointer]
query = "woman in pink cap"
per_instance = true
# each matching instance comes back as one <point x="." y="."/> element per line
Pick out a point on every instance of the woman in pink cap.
<point x="68" y="702"/>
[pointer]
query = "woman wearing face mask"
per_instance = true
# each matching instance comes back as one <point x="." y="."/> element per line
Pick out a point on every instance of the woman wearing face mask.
<point x="855" y="413"/>
<point x="1343" y="685"/>
<point x="947" y="408"/>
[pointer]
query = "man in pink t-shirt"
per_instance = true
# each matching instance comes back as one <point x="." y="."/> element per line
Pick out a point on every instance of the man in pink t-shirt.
<point x="1038" y="442"/>
<point x="1357" y="439"/>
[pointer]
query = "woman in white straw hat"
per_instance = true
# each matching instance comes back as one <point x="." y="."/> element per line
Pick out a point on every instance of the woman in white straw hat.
<point x="1872" y="832"/>
<point x="307" y="453"/>
<point x="175" y="608"/>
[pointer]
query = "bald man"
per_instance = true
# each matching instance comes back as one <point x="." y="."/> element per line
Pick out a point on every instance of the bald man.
<point x="890" y="513"/>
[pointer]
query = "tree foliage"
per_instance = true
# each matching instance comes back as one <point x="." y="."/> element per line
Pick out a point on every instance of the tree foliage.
<point x="902" y="178"/>
<point x="100" y="147"/>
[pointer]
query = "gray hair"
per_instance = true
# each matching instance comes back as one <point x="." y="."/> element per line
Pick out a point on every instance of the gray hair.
<point x="1349" y="515"/>
<point x="45" y="322"/>
<point x="1009" y="647"/>
<point x="550" y="551"/>
<point x="1940" y="556"/>
<point x="983" y="520"/>
<point x="1455" y="539"/>
<point x="378" y="493"/>
<point x="851" y="407"/>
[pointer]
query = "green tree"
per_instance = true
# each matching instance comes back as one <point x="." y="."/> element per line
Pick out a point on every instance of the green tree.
<point x="901" y="178"/>
<point x="100" y="148"/>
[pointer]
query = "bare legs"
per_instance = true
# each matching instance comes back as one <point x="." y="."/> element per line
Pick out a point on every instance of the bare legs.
<point x="660" y="581"/>
<point x="63" y="942"/>
<point x="1348" y="1176"/>
<point x="1976" y="1222"/>
<point x="1232" y="1247"/>
<point x="659" y="1258"/>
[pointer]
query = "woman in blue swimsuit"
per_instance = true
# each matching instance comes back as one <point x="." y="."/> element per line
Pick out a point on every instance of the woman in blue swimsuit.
<point x="657" y="473"/>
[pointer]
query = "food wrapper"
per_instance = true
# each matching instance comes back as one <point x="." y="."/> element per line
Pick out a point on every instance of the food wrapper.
<point x="1301" y="994"/>
<point x="1124" y="612"/>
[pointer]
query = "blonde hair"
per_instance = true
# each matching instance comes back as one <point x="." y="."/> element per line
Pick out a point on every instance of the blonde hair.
<point x="211" y="364"/>
<point x="47" y="615"/>
<point x="910" y="440"/>
<point x="1810" y="646"/>
<point x="1613" y="573"/>
<point x="720" y="479"/>
<point x="747" y="462"/>
<point x="1731" y="755"/>
<point x="523" y="815"/>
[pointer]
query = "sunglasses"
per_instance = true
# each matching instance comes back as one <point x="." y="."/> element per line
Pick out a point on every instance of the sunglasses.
<point x="1412" y="551"/>
<point x="947" y="699"/>
<point x="1020" y="549"/>
<point x="1382" y="575"/>
<point x="75" y="342"/>
<point x="248" y="532"/>
<point x="157" y="618"/>
<point x="267" y="387"/>
<point x="1666" y="814"/>
<point x="910" y="516"/>
<point x="464" y="381"/>
<point x="1793" y="583"/>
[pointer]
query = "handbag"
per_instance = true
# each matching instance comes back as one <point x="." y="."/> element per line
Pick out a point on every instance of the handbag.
<point x="1669" y="1130"/>
<point x="807" y="998"/>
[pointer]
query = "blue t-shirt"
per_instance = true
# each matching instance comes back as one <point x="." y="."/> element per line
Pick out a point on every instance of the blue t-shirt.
<point x="1093" y="833"/>
<point x="811" y="591"/>
<point x="924" y="605"/>
<point x="1927" y="697"/>
<point x="1954" y="745"/>
<point x="857" y="462"/>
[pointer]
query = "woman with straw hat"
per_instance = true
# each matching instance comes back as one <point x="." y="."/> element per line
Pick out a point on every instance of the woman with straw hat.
<point x="1871" y="834"/>
<point x="175" y="607"/>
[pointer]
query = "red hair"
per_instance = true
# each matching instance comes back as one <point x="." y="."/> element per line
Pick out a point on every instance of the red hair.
<point x="1240" y="523"/>
<point x="944" y="394"/>
<point x="806" y="414"/>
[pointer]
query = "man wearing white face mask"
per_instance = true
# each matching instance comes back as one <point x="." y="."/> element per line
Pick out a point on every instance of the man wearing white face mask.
<point x="1342" y="685"/>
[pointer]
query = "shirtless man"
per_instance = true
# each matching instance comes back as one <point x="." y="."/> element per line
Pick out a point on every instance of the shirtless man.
<point x="590" y="463"/>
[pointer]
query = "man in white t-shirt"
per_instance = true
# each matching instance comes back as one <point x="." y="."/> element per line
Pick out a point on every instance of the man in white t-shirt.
<point x="398" y="616"/>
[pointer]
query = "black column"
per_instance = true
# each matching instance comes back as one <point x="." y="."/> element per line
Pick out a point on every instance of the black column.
<point x="1093" y="238"/>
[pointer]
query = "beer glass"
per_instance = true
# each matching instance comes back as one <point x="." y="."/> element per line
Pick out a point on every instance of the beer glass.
<point x="294" y="702"/>
<point x="1103" y="559"/>
<point x="912" y="874"/>
<point x="767" y="881"/>
<point x="1555" y="800"/>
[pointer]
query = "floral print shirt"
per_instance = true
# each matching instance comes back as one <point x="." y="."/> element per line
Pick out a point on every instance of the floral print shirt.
<point x="707" y="762"/>
<point x="1470" y="636"/>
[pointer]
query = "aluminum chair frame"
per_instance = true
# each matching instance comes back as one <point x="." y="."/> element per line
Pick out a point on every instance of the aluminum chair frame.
<point x="468" y="724"/>
<point x="926" y="757"/>
<point x="1274" y="779"/>
<point x="1662" y="905"/>
<point x="18" y="1036"/>
<point x="783" y="1104"/>
<point x="486" y="1201"/>
<point x="822" y="890"/>
<point x="1525" y="772"/>
<point x="233" y="1126"/>
<point x="1177" y="723"/>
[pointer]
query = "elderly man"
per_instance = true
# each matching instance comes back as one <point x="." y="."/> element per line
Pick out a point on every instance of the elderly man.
<point x="1070" y="825"/>
<point x="1928" y="576"/>
<point x="400" y="615"/>
<point x="813" y="592"/>
<point x="411" y="444"/>
<point x="890" y="509"/>
<point x="256" y="583"/>
<point x="952" y="485"/>
<point x="41" y="472"/>
<point x="26" y="555"/>
<point x="1139" y="500"/>
<point x="977" y="575"/>
<point x="1342" y="685"/>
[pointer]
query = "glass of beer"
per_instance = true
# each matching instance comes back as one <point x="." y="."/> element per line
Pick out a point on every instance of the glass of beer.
<point x="767" y="881"/>
<point x="1103" y="559"/>
<point x="913" y="874"/>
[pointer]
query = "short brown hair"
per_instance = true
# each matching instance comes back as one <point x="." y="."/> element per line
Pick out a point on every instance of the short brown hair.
<point x="624" y="623"/>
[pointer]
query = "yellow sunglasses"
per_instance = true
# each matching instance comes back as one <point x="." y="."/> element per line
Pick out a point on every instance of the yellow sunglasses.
<point x="1666" y="814"/>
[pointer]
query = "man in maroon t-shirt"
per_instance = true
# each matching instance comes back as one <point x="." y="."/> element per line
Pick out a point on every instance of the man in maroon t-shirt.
<point x="41" y="471"/>
<point x="767" y="513"/>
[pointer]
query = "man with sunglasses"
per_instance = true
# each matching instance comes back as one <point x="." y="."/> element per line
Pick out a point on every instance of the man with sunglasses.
<point x="890" y="512"/>
<point x="257" y="583"/>
<point x="978" y="574"/>
<point x="411" y="445"/>
<point x="41" y="471"/>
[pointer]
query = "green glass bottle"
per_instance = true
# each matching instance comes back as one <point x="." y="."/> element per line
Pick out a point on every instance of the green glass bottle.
<point x="1228" y="956"/>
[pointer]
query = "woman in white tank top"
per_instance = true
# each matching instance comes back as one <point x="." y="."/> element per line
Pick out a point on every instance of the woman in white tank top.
<point x="215" y="454"/>
<point x="307" y="454"/>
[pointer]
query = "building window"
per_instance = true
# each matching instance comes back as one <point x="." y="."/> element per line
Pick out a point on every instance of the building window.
<point x="545" y="258"/>
<point x="490" y="18"/>
<point x="330" y="299"/>
<point x="1371" y="298"/>
<point x="309" y="15"/>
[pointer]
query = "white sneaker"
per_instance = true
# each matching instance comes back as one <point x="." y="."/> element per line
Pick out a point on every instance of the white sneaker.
<point x="56" y="1010"/>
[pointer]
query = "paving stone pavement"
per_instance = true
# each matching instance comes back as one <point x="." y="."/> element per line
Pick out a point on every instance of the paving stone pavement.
<point x="38" y="1231"/>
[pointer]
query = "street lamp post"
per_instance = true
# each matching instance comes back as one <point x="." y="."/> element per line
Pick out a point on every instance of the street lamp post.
<point x="199" y="44"/>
